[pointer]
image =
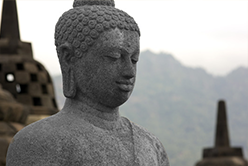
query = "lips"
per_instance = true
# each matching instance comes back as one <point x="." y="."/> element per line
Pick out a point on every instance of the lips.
<point x="126" y="86"/>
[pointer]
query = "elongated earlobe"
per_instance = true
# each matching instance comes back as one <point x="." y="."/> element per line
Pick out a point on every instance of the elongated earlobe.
<point x="65" y="56"/>
<point x="69" y="87"/>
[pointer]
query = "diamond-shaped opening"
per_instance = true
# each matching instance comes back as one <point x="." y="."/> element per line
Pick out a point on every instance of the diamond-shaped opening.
<point x="54" y="103"/>
<point x="33" y="77"/>
<point x="39" y="67"/>
<point x="22" y="88"/>
<point x="20" y="66"/>
<point x="48" y="78"/>
<point x="37" y="101"/>
<point x="44" y="89"/>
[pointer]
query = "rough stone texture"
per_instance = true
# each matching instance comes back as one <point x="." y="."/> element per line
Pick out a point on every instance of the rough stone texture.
<point x="68" y="138"/>
<point x="13" y="116"/>
<point x="94" y="2"/>
<point x="10" y="110"/>
<point x="222" y="154"/>
<point x="96" y="81"/>
<point x="81" y="26"/>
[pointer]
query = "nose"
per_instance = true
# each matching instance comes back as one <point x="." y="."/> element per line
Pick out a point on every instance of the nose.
<point x="129" y="69"/>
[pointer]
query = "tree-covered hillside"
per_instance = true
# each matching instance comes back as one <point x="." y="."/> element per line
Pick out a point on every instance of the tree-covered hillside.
<point x="178" y="104"/>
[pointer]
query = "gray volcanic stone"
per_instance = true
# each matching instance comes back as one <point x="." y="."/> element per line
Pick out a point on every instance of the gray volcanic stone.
<point x="98" y="50"/>
<point x="13" y="116"/>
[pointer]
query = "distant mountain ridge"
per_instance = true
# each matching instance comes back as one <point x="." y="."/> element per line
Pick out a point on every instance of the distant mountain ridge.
<point x="178" y="104"/>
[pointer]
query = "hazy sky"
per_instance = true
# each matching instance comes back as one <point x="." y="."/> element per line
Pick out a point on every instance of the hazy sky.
<point x="208" y="34"/>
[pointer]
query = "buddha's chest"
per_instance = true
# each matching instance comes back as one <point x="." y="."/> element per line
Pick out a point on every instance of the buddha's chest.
<point x="112" y="148"/>
<point x="101" y="147"/>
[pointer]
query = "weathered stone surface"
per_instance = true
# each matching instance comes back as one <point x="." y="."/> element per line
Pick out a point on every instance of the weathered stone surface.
<point x="13" y="116"/>
<point x="68" y="138"/>
<point x="10" y="110"/>
<point x="98" y="50"/>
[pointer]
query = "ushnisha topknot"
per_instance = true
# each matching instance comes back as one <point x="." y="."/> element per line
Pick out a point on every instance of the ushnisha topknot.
<point x="78" y="3"/>
<point x="82" y="25"/>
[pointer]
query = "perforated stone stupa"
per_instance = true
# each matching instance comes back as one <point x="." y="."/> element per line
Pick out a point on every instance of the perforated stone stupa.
<point x="13" y="117"/>
<point x="26" y="89"/>
<point x="25" y="78"/>
<point x="222" y="154"/>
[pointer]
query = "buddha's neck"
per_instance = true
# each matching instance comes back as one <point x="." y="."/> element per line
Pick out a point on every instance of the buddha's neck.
<point x="93" y="110"/>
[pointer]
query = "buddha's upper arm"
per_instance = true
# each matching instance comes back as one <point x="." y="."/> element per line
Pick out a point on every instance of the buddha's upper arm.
<point x="24" y="151"/>
<point x="162" y="155"/>
<point x="35" y="159"/>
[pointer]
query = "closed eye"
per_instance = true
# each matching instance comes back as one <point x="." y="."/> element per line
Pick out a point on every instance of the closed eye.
<point x="135" y="57"/>
<point x="134" y="61"/>
<point x="113" y="56"/>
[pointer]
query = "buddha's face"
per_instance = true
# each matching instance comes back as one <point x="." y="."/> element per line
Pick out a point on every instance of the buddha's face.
<point x="106" y="75"/>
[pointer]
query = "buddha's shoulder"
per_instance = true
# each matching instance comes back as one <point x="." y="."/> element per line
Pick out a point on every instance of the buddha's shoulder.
<point x="51" y="131"/>
<point x="147" y="141"/>
<point x="43" y="140"/>
<point x="141" y="132"/>
<point x="56" y="125"/>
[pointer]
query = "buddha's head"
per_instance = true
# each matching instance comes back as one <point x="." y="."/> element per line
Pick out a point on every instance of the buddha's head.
<point x="98" y="48"/>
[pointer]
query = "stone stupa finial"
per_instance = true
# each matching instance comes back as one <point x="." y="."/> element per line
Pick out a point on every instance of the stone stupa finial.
<point x="222" y="153"/>
<point x="9" y="34"/>
<point x="221" y="135"/>
<point x="9" y="17"/>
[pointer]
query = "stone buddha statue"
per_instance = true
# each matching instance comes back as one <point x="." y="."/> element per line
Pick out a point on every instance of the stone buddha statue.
<point x="98" y="50"/>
